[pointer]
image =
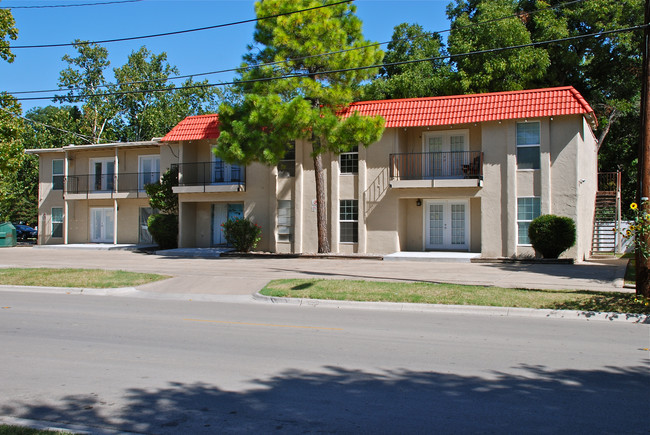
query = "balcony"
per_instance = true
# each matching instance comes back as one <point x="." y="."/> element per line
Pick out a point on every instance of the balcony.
<point x="209" y="177"/>
<point x="438" y="169"/>
<point x="103" y="186"/>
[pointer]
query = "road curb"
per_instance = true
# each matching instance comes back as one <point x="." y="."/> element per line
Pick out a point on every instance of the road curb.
<point x="460" y="309"/>
<point x="323" y="303"/>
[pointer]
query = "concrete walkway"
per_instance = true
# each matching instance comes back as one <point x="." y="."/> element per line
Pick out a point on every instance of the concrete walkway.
<point x="245" y="276"/>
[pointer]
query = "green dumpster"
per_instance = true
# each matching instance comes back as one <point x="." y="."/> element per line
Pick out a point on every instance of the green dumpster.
<point x="7" y="235"/>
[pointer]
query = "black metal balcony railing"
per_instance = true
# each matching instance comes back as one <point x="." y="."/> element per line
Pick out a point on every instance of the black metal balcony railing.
<point x="110" y="183"/>
<point x="430" y="166"/>
<point x="207" y="173"/>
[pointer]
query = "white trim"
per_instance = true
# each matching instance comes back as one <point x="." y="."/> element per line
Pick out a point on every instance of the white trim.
<point x="447" y="202"/>
<point x="538" y="145"/>
<point x="446" y="133"/>
<point x="141" y="172"/>
<point x="517" y="220"/>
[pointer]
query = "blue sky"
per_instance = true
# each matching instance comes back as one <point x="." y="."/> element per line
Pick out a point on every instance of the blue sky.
<point x="193" y="53"/>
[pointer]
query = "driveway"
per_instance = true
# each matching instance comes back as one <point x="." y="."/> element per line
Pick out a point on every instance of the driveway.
<point x="244" y="276"/>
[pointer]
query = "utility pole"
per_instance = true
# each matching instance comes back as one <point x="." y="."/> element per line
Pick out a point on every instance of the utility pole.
<point x="642" y="263"/>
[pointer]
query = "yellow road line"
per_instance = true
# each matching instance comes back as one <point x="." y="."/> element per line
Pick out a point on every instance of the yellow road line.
<point x="262" y="324"/>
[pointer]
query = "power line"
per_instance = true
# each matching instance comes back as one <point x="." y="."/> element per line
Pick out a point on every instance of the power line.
<point x="338" y="71"/>
<point x="241" y="69"/>
<point x="70" y="5"/>
<point x="179" y="32"/>
<point x="81" y="136"/>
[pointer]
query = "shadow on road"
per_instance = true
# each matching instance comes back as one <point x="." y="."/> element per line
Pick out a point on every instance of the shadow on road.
<point x="534" y="400"/>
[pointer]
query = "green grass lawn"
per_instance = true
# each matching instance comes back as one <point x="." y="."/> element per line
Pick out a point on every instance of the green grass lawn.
<point x="85" y="278"/>
<point x="454" y="294"/>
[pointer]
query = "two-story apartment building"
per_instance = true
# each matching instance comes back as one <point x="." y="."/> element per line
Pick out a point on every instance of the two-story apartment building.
<point x="461" y="173"/>
<point x="95" y="193"/>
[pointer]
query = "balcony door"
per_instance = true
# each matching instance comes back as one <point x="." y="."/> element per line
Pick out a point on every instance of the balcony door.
<point x="102" y="174"/>
<point x="445" y="153"/>
<point x="223" y="172"/>
<point x="446" y="225"/>
<point x="101" y="225"/>
<point x="149" y="170"/>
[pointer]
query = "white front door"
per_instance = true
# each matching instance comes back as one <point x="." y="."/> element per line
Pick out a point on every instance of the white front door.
<point x="445" y="153"/>
<point x="101" y="225"/>
<point x="220" y="214"/>
<point x="446" y="225"/>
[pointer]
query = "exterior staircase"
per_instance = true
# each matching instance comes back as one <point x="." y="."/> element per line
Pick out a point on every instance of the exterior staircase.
<point x="606" y="216"/>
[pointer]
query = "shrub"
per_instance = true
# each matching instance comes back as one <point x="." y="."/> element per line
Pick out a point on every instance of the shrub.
<point x="164" y="230"/>
<point x="242" y="234"/>
<point x="551" y="235"/>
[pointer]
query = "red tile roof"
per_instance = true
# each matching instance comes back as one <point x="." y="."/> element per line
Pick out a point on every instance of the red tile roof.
<point x="462" y="109"/>
<point x="430" y="111"/>
<point x="194" y="128"/>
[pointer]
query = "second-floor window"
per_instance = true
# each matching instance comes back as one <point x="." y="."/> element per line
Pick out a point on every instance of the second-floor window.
<point x="528" y="145"/>
<point x="287" y="166"/>
<point x="57" y="174"/>
<point x="350" y="161"/>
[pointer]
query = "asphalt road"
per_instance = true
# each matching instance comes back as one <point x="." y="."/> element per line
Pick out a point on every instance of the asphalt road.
<point x="171" y="367"/>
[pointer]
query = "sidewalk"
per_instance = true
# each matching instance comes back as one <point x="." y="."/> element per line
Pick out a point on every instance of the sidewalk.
<point x="246" y="276"/>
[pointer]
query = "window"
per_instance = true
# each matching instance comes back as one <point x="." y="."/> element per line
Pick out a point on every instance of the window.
<point x="285" y="220"/>
<point x="349" y="221"/>
<point x="350" y="161"/>
<point x="528" y="141"/>
<point x="527" y="210"/>
<point x="57" y="174"/>
<point x="287" y="166"/>
<point x="57" y="222"/>
<point x="149" y="170"/>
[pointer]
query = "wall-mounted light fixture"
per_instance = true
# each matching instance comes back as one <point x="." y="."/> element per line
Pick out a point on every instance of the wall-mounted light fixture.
<point x="418" y="202"/>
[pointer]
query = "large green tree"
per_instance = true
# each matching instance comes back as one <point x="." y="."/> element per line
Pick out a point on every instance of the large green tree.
<point x="299" y="99"/>
<point x="410" y="42"/>
<point x="11" y="150"/>
<point x="14" y="191"/>
<point x="87" y="85"/>
<point x="9" y="31"/>
<point x="500" y="70"/>
<point x="147" y="103"/>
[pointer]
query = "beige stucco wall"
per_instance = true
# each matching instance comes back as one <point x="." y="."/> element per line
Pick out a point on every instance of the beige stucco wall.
<point x="567" y="154"/>
<point x="259" y="200"/>
<point x="76" y="211"/>
<point x="47" y="198"/>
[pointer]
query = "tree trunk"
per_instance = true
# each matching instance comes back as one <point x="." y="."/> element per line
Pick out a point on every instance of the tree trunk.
<point x="321" y="203"/>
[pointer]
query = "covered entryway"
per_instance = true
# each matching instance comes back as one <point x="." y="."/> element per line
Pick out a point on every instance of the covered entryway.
<point x="446" y="225"/>
<point x="102" y="223"/>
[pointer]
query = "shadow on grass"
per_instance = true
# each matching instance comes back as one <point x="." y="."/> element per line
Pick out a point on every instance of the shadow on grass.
<point x="530" y="398"/>
<point x="303" y="286"/>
